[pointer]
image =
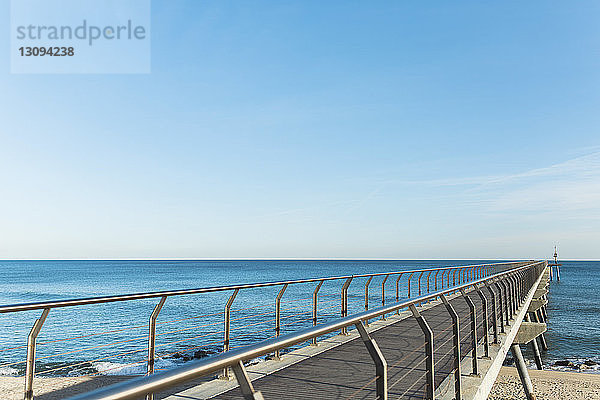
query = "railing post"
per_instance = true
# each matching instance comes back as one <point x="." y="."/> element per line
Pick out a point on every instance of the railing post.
<point x="227" y="329"/>
<point x="473" y="314"/>
<point x="409" y="283"/>
<point x="428" y="275"/>
<point x="420" y="276"/>
<point x="30" y="366"/>
<point x="456" y="346"/>
<point x="511" y="295"/>
<point x="344" y="330"/>
<point x="515" y="283"/>
<point x="486" y="339"/>
<point x="152" y="339"/>
<point x="516" y="280"/>
<point x="505" y="298"/>
<point x="494" y="314"/>
<point x="454" y="277"/>
<point x="511" y="283"/>
<point x="243" y="380"/>
<point x="278" y="315"/>
<point x="367" y="296"/>
<point x="500" y="302"/>
<point x="430" y="376"/>
<point x="442" y="280"/>
<point x="367" y="293"/>
<point x="435" y="279"/>
<point x="383" y="294"/>
<point x="398" y="291"/>
<point x="380" y="363"/>
<point x="315" y="296"/>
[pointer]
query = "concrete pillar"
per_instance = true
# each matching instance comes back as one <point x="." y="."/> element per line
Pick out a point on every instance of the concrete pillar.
<point x="535" y="349"/>
<point x="522" y="369"/>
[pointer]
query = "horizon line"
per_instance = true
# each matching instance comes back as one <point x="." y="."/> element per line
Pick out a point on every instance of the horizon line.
<point x="287" y="259"/>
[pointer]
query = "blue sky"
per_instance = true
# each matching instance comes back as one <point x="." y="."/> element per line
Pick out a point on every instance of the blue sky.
<point x="301" y="129"/>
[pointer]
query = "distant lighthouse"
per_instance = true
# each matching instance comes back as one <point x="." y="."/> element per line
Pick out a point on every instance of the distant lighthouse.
<point x="556" y="265"/>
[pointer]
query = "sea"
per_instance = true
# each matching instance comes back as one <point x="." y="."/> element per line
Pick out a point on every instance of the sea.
<point x="111" y="338"/>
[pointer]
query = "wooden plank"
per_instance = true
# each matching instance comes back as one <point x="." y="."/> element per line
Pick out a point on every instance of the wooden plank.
<point x="348" y="371"/>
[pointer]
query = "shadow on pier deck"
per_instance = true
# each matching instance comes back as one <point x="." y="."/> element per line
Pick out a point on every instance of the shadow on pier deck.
<point x="346" y="371"/>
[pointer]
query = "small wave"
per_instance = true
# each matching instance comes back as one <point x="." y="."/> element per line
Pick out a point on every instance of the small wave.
<point x="8" y="371"/>
<point x="111" y="368"/>
<point x="577" y="365"/>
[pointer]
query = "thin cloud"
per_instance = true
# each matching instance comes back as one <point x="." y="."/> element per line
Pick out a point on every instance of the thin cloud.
<point x="588" y="165"/>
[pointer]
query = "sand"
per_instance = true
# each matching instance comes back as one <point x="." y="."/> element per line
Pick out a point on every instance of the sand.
<point x="549" y="385"/>
<point x="11" y="388"/>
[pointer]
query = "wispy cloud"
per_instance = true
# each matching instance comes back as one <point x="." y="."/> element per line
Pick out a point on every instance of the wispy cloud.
<point x="569" y="189"/>
<point x="583" y="166"/>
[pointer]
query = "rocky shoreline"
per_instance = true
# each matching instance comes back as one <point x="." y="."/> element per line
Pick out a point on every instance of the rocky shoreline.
<point x="584" y="366"/>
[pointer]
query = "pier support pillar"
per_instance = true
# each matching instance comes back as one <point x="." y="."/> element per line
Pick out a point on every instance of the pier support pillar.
<point x="522" y="369"/>
<point x="535" y="349"/>
<point x="537" y="317"/>
<point x="536" y="354"/>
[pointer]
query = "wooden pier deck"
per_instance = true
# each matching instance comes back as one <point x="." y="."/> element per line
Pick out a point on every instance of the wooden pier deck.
<point x="347" y="371"/>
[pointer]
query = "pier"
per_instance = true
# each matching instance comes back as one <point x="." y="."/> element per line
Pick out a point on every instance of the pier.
<point x="445" y="338"/>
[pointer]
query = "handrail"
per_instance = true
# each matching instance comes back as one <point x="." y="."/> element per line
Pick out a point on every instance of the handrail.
<point x="150" y="295"/>
<point x="134" y="388"/>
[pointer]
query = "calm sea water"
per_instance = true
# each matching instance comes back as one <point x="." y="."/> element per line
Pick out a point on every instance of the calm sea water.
<point x="574" y="313"/>
<point x="113" y="336"/>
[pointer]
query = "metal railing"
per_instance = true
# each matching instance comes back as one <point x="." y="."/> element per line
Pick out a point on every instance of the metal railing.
<point x="460" y="275"/>
<point x="516" y="284"/>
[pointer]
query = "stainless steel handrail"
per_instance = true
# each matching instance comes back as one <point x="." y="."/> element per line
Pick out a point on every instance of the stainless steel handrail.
<point x="150" y="295"/>
<point x="135" y="388"/>
<point x="471" y="272"/>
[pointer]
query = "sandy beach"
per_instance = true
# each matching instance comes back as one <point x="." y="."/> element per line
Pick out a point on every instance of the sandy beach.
<point x="548" y="385"/>
<point x="11" y="388"/>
